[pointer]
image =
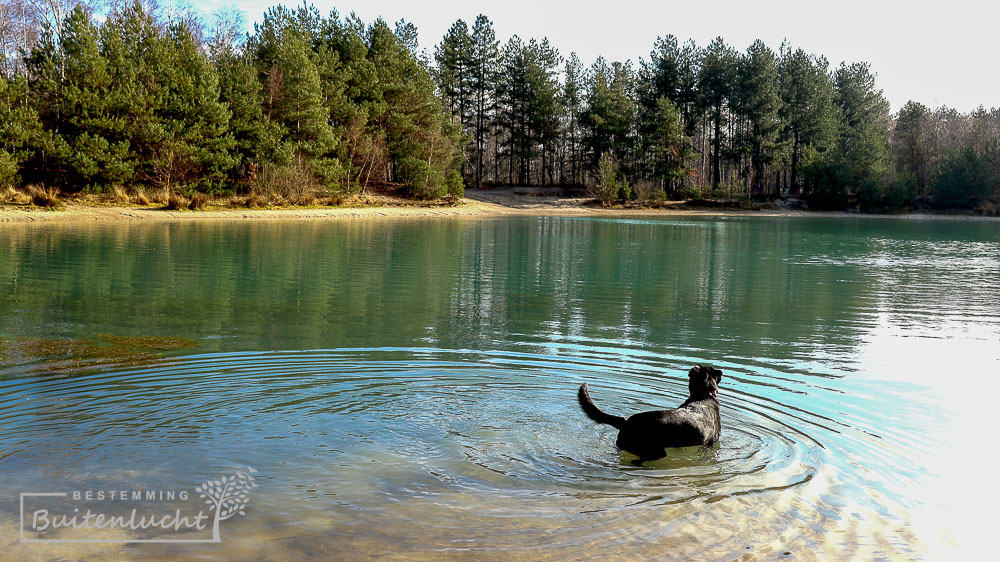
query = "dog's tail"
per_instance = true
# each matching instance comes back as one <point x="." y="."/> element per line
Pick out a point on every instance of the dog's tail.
<point x="595" y="413"/>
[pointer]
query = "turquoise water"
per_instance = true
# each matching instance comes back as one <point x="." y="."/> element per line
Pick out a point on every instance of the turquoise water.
<point x="406" y="387"/>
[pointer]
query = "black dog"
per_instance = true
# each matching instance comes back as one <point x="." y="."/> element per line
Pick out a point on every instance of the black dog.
<point x="648" y="434"/>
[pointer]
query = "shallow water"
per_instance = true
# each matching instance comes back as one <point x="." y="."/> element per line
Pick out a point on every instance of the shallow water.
<point x="406" y="388"/>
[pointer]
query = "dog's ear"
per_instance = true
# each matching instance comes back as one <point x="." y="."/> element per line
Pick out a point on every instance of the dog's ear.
<point x="716" y="374"/>
<point x="695" y="371"/>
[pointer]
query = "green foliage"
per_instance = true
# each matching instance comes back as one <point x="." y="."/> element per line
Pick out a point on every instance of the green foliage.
<point x="8" y="169"/>
<point x="454" y="70"/>
<point x="607" y="186"/>
<point x="914" y="153"/>
<point x="667" y="146"/>
<point x="456" y="187"/>
<point x="716" y="81"/>
<point x="759" y="101"/>
<point x="336" y="104"/>
<point x="20" y="129"/>
<point x="611" y="111"/>
<point x="863" y="142"/>
<point x="963" y="181"/>
<point x="807" y="111"/>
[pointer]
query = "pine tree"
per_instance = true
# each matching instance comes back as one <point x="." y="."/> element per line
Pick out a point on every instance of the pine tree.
<point x="454" y="73"/>
<point x="759" y="103"/>
<point x="914" y="154"/>
<point x="716" y="82"/>
<point x="75" y="84"/>
<point x="513" y="93"/>
<point x="293" y="92"/>
<point x="669" y="147"/>
<point x="807" y="110"/>
<point x="862" y="150"/>
<point x="20" y="129"/>
<point x="572" y="99"/>
<point x="196" y="144"/>
<point x="483" y="54"/>
<point x="610" y="113"/>
<point x="543" y="104"/>
<point x="255" y="139"/>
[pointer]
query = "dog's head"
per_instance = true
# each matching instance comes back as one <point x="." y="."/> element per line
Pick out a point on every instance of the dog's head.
<point x="704" y="381"/>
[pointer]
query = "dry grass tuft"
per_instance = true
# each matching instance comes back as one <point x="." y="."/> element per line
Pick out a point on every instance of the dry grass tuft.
<point x="176" y="202"/>
<point x="120" y="196"/>
<point x="14" y="196"/>
<point x="198" y="202"/>
<point x="47" y="197"/>
<point x="306" y="200"/>
<point x="160" y="196"/>
<point x="254" y="200"/>
<point x="140" y="198"/>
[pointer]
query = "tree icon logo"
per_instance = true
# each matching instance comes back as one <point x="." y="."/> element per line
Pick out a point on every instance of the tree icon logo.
<point x="227" y="496"/>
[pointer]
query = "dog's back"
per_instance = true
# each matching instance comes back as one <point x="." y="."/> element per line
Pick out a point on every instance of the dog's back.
<point x="647" y="434"/>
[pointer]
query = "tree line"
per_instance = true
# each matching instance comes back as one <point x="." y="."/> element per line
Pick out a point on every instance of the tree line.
<point x="709" y="121"/>
<point x="144" y="97"/>
<point x="134" y="95"/>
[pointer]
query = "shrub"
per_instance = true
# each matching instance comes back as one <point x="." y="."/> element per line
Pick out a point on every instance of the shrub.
<point x="306" y="200"/>
<point x="12" y="195"/>
<point x="44" y="197"/>
<point x="198" y="201"/>
<point x="456" y="185"/>
<point x="606" y="187"/>
<point x="963" y="180"/>
<point x="120" y="196"/>
<point x="160" y="196"/>
<point x="285" y="182"/>
<point x="176" y="202"/>
<point x="140" y="197"/>
<point x="254" y="199"/>
<point x="648" y="193"/>
<point x="8" y="169"/>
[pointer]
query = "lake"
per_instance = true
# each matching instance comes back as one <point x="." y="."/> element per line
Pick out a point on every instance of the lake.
<point x="407" y="388"/>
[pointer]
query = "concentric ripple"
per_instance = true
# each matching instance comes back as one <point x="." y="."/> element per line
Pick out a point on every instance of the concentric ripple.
<point x="454" y="443"/>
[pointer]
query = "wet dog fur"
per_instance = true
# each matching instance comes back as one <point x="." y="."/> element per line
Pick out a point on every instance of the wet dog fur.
<point x="648" y="434"/>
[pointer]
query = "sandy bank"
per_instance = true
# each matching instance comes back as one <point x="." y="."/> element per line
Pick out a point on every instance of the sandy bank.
<point x="497" y="202"/>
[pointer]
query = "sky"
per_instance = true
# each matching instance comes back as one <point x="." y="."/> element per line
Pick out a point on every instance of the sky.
<point x="936" y="53"/>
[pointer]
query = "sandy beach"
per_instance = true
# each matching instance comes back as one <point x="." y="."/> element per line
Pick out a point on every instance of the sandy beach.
<point x="476" y="203"/>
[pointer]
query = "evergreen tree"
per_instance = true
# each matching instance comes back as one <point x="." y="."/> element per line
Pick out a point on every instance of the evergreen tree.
<point x="256" y="140"/>
<point x="88" y="145"/>
<point x="862" y="150"/>
<point x="759" y="103"/>
<point x="20" y="129"/>
<point x="670" y="148"/>
<point x="355" y="100"/>
<point x="421" y="141"/>
<point x="293" y="93"/>
<point x="572" y="99"/>
<point x="807" y="109"/>
<point x="544" y="105"/>
<point x="716" y="82"/>
<point x="672" y="72"/>
<point x="963" y="180"/>
<point x="610" y="111"/>
<point x="482" y="65"/>
<point x="513" y="93"/>
<point x="454" y="73"/>
<point x="913" y="149"/>
<point x="196" y="148"/>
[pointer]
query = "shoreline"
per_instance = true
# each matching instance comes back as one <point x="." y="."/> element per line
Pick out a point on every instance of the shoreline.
<point x="476" y="204"/>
